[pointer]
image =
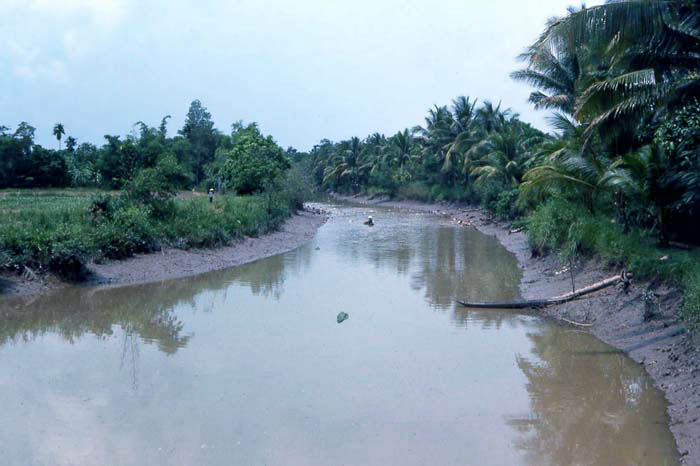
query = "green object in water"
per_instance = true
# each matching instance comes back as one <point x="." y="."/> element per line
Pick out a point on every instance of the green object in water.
<point x="343" y="316"/>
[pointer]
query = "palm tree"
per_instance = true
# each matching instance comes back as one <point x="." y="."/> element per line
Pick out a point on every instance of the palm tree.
<point x="503" y="158"/>
<point x="466" y="133"/>
<point x="58" y="131"/>
<point x="564" y="165"/>
<point x="555" y="72"/>
<point x="343" y="168"/>
<point x="400" y="153"/>
<point x="492" y="118"/>
<point x="435" y="137"/>
<point x="653" y="53"/>
<point x="71" y="143"/>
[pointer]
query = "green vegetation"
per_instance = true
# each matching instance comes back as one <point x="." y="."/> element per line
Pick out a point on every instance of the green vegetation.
<point x="60" y="230"/>
<point x="620" y="178"/>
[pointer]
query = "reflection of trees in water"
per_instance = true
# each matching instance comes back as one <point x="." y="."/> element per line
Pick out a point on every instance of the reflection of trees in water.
<point x="589" y="406"/>
<point x="143" y="311"/>
<point x="130" y="356"/>
<point x="446" y="261"/>
<point x="72" y="313"/>
<point x="456" y="262"/>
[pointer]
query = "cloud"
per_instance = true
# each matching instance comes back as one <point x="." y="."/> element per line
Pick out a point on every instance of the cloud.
<point x="105" y="13"/>
<point x="44" y="36"/>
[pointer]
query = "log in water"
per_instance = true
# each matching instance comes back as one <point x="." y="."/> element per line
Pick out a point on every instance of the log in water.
<point x="540" y="303"/>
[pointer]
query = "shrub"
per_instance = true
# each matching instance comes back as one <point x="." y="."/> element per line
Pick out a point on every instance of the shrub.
<point x="505" y="204"/>
<point x="60" y="249"/>
<point x="690" y="311"/>
<point x="129" y="232"/>
<point x="415" y="191"/>
<point x="67" y="252"/>
<point x="548" y="225"/>
<point x="297" y="187"/>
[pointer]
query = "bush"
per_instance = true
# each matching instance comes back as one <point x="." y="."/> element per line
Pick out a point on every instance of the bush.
<point x="61" y="249"/>
<point x="415" y="191"/>
<point x="61" y="233"/>
<point x="690" y="311"/>
<point x="297" y="187"/>
<point x="128" y="233"/>
<point x="548" y="225"/>
<point x="505" y="204"/>
<point x="68" y="252"/>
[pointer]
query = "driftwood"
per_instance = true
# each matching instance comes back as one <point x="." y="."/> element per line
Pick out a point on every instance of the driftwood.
<point x="539" y="303"/>
<point x="580" y="324"/>
<point x="677" y="245"/>
<point x="29" y="274"/>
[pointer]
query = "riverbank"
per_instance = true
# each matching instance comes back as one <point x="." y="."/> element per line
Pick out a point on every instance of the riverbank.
<point x="661" y="345"/>
<point x="171" y="263"/>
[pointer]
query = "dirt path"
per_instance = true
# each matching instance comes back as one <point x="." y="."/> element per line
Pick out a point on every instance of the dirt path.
<point x="661" y="345"/>
<point x="177" y="263"/>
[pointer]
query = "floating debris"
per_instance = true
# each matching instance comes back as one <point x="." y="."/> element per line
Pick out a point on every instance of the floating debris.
<point x="343" y="316"/>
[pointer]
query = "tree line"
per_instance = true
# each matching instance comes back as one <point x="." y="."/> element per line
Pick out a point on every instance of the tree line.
<point x="199" y="155"/>
<point x="621" y="82"/>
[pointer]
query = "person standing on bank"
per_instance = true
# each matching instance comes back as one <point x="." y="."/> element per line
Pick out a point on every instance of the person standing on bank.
<point x="211" y="195"/>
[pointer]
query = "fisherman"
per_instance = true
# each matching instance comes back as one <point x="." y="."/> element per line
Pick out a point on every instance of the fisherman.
<point x="211" y="195"/>
<point x="369" y="222"/>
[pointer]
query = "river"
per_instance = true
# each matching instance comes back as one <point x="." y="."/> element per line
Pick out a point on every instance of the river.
<point x="249" y="366"/>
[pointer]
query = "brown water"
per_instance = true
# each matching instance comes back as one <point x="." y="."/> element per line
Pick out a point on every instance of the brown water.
<point x="248" y="366"/>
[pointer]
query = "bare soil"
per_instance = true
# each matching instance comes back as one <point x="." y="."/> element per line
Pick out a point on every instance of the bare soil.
<point x="660" y="344"/>
<point x="170" y="263"/>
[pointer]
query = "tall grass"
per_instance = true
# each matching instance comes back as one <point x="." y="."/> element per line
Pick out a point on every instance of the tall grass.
<point x="569" y="228"/>
<point x="61" y="233"/>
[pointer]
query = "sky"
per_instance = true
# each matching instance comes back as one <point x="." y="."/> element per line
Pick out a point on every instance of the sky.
<point x="304" y="70"/>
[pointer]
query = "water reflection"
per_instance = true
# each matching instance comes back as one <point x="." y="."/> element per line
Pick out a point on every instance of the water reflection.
<point x="143" y="311"/>
<point x="443" y="260"/>
<point x="250" y="366"/>
<point x="588" y="405"/>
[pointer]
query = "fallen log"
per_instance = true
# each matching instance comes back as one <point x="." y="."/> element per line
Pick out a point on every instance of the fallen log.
<point x="678" y="245"/>
<point x="540" y="303"/>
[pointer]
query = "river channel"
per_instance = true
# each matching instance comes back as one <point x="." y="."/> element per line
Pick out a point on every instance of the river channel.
<point x="249" y="366"/>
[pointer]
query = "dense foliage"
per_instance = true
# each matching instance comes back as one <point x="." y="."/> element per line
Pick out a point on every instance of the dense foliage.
<point x="619" y="178"/>
<point x="60" y="231"/>
<point x="244" y="161"/>
<point x="253" y="161"/>
<point x="464" y="152"/>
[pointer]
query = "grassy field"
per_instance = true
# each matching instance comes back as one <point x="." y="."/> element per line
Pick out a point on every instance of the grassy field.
<point x="61" y="230"/>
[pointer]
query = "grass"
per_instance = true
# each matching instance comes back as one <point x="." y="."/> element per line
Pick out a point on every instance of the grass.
<point x="60" y="231"/>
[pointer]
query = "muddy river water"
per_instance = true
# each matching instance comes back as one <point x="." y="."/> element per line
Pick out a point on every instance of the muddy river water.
<point x="249" y="366"/>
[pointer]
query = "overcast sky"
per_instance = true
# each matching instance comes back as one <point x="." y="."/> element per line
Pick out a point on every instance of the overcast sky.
<point x="304" y="69"/>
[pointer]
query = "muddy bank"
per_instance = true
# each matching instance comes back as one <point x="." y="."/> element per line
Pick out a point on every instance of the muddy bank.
<point x="661" y="345"/>
<point x="173" y="263"/>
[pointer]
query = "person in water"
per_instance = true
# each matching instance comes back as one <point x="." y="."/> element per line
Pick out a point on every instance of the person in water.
<point x="369" y="222"/>
<point x="211" y="195"/>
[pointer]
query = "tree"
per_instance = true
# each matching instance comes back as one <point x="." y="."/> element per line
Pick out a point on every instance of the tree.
<point x="347" y="169"/>
<point x="652" y="53"/>
<point x="503" y="158"/>
<point x="71" y="144"/>
<point x="253" y="163"/>
<point x="58" y="132"/>
<point x="556" y="71"/>
<point x="199" y="131"/>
